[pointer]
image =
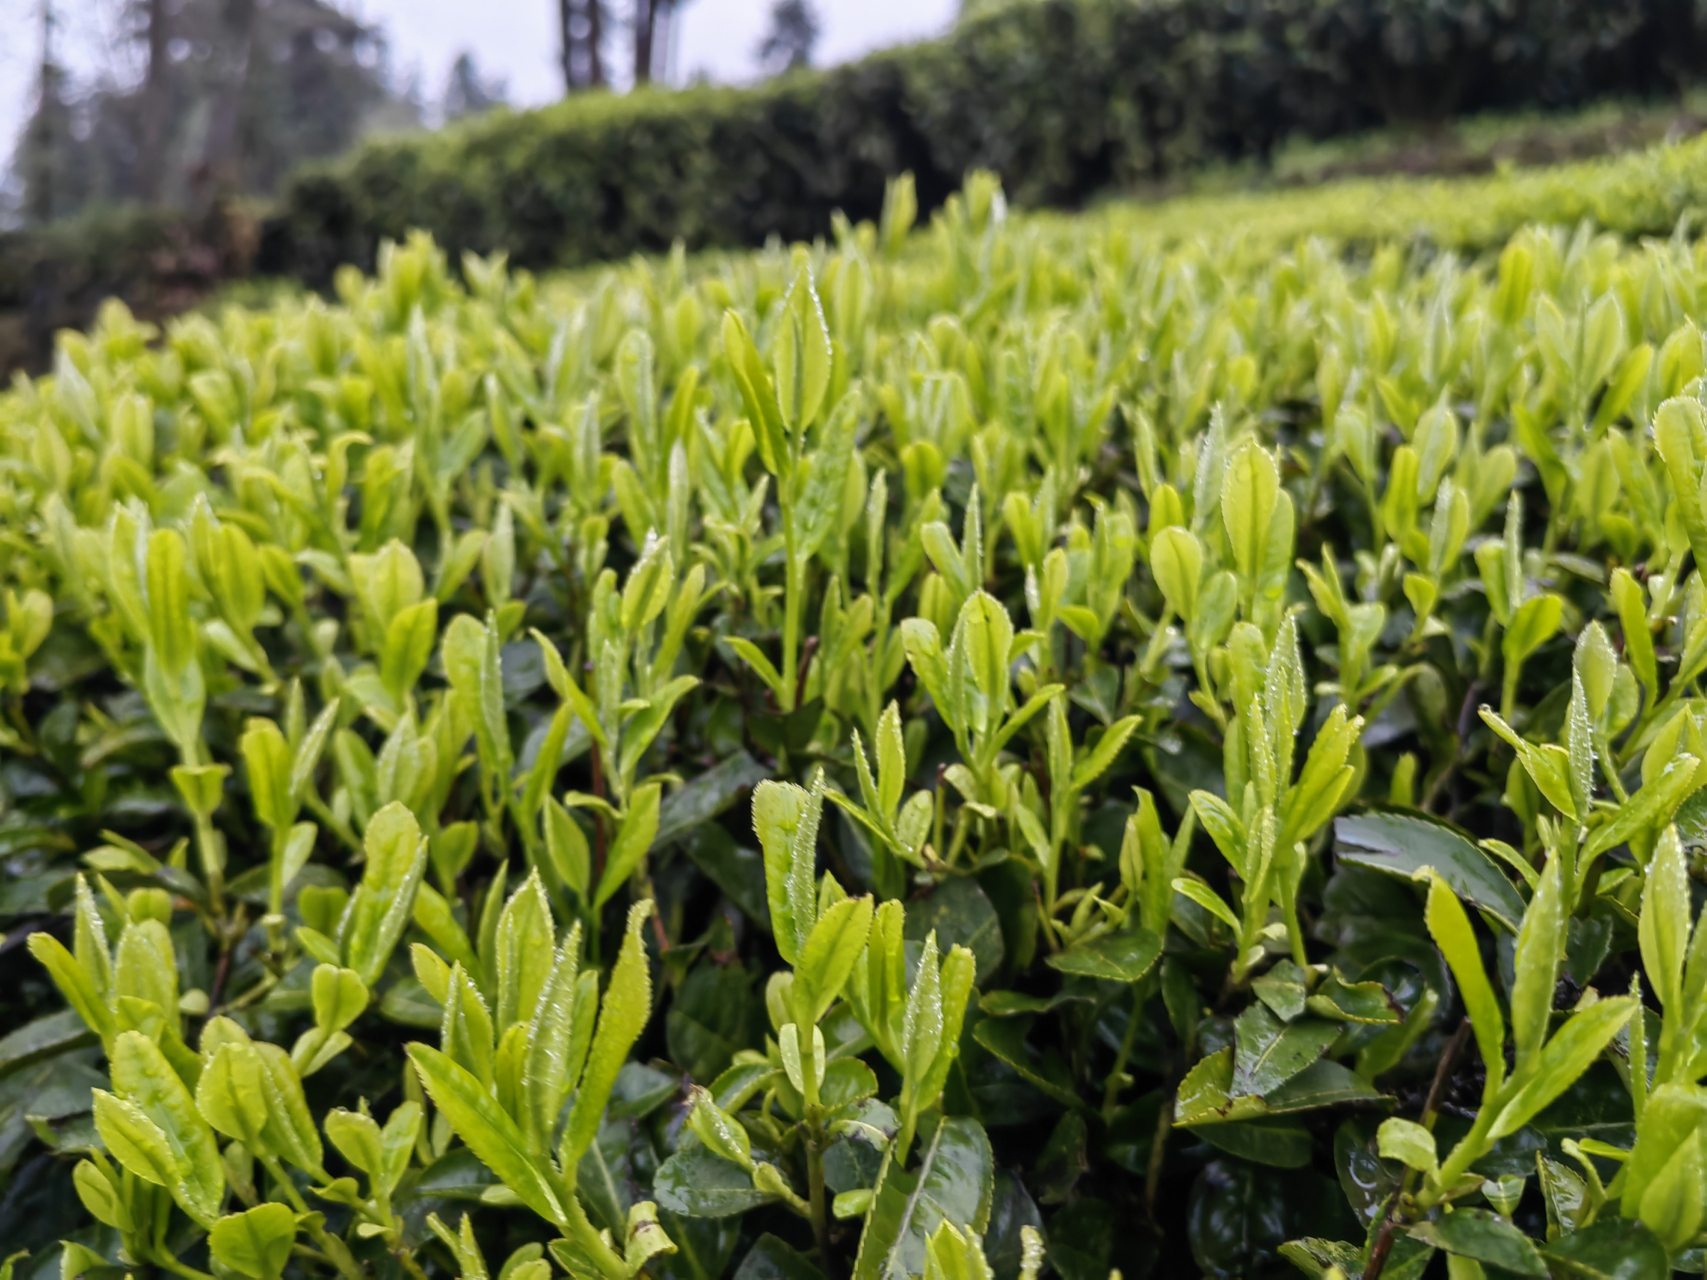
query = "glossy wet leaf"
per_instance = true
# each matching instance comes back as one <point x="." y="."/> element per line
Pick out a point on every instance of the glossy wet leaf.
<point x="1402" y="844"/>
<point x="1280" y="1144"/>
<point x="1610" y="1249"/>
<point x="1484" y="1236"/>
<point x="255" y="1243"/>
<point x="697" y="1182"/>
<point x="1116" y="957"/>
<point x="1270" y="1052"/>
<point x="951" y="1180"/>
<point x="960" y="913"/>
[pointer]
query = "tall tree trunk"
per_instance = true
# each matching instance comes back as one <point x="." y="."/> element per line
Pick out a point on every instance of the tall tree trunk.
<point x="155" y="103"/>
<point x="595" y="43"/>
<point x="219" y="167"/>
<point x="40" y="171"/>
<point x="581" y="36"/>
<point x="663" y="32"/>
<point x="645" y="19"/>
<point x="566" y="43"/>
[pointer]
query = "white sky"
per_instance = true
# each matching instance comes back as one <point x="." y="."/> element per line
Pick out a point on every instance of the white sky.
<point x="515" y="39"/>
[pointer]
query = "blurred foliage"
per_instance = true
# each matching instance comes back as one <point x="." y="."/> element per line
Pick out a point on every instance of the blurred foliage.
<point x="1063" y="99"/>
<point x="246" y="92"/>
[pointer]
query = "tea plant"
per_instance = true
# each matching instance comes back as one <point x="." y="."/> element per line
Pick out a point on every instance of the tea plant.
<point x="1023" y="745"/>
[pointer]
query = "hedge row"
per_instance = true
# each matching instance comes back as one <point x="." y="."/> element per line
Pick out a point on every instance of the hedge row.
<point x="158" y="261"/>
<point x="1061" y="98"/>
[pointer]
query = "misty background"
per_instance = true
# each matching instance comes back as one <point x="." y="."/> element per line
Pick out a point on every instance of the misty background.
<point x="398" y="64"/>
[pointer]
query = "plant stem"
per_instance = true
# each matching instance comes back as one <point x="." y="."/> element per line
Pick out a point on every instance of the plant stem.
<point x="407" y="1258"/>
<point x="166" y="1262"/>
<point x="793" y="589"/>
<point x="1111" y="1091"/>
<point x="1158" y="1146"/>
<point x="213" y="869"/>
<point x="1442" y="1073"/>
<point x="1294" y="931"/>
<point x="815" y="1187"/>
<point x="330" y="1245"/>
<point x="597" y="760"/>
<point x="331" y="821"/>
<point x="595" y="1246"/>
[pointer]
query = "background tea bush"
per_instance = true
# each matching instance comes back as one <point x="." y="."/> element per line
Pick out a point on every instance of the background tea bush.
<point x="1064" y="99"/>
<point x="1035" y="743"/>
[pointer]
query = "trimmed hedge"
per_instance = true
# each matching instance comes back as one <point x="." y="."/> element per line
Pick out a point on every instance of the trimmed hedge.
<point x="158" y="261"/>
<point x="1062" y="99"/>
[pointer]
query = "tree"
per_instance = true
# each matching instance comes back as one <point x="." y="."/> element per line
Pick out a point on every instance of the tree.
<point x="645" y="28"/>
<point x="39" y="150"/>
<point x="156" y="97"/>
<point x="467" y="93"/>
<point x="233" y="95"/>
<point x="581" y="26"/>
<point x="793" y="33"/>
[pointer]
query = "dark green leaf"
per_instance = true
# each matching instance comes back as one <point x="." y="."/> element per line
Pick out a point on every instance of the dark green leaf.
<point x="46" y="1037"/>
<point x="1282" y="1144"/>
<point x="1269" y="1052"/>
<point x="1485" y="1236"/>
<point x="736" y="869"/>
<point x="1124" y="957"/>
<point x="703" y="1247"/>
<point x="961" y="915"/>
<point x="773" y="1259"/>
<point x="1403" y="843"/>
<point x="1365" y="1002"/>
<point x="1324" y="1083"/>
<point x="1282" y="989"/>
<point x="714" y="1014"/>
<point x="701" y="1184"/>
<point x="1612" y="1249"/>
<point x="707" y="796"/>
<point x="1006" y="1038"/>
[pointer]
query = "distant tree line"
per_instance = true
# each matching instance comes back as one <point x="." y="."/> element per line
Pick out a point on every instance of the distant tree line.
<point x="231" y="95"/>
<point x="223" y="98"/>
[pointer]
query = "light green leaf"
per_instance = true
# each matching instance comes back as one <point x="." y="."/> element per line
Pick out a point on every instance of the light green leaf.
<point x="384" y="902"/>
<point x="826" y="961"/>
<point x="1570" y="1052"/>
<point x="1208" y="899"/>
<point x="952" y="1182"/>
<point x="231" y="1097"/>
<point x="785" y="818"/>
<point x="1663" y="929"/>
<point x="622" y="1017"/>
<point x="632" y="841"/>
<point x="1106" y="751"/>
<point x="482" y="1124"/>
<point x="525" y="955"/>
<point x="1123" y="957"/>
<point x="1540" y="948"/>
<point x="255" y="1243"/>
<point x="1452" y="933"/>
<point x="145" y="1081"/>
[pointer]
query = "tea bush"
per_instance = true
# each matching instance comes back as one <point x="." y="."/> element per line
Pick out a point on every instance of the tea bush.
<point x="1032" y="744"/>
<point x="1066" y="100"/>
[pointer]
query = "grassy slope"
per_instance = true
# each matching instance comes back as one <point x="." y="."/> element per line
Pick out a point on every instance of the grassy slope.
<point x="1643" y="193"/>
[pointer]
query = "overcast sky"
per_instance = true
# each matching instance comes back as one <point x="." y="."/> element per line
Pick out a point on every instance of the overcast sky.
<point x="515" y="39"/>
